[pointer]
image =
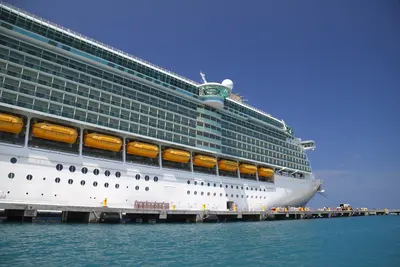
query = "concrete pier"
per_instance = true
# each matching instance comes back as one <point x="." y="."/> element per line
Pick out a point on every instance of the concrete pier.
<point x="60" y="214"/>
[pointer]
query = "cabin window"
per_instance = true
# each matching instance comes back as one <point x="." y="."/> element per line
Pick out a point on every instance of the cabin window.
<point x="11" y="175"/>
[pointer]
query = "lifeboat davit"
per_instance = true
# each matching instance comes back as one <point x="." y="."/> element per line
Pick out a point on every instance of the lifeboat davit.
<point x="54" y="132"/>
<point x="227" y="165"/>
<point x="102" y="141"/>
<point x="204" y="161"/>
<point x="247" y="168"/>
<point x="176" y="155"/>
<point x="265" y="172"/>
<point x="142" y="149"/>
<point x="10" y="123"/>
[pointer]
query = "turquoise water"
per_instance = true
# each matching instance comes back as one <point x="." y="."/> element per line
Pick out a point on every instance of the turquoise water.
<point x="358" y="241"/>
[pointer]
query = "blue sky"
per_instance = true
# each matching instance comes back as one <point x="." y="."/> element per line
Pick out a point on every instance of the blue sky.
<point x="330" y="69"/>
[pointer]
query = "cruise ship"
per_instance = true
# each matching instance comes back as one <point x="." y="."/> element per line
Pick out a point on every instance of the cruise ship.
<point x="82" y="122"/>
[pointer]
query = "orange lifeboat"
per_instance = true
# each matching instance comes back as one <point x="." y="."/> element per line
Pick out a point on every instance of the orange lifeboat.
<point x="54" y="132"/>
<point x="247" y="168"/>
<point x="102" y="141"/>
<point x="227" y="165"/>
<point x="142" y="149"/>
<point x="10" y="123"/>
<point x="176" y="155"/>
<point x="265" y="172"/>
<point x="204" y="161"/>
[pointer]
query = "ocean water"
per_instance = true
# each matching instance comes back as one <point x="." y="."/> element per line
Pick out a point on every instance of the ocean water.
<point x="358" y="241"/>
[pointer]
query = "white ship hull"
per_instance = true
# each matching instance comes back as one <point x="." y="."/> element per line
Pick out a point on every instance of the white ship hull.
<point x="171" y="186"/>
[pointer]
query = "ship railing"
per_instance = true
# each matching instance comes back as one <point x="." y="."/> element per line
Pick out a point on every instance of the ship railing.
<point x="86" y="38"/>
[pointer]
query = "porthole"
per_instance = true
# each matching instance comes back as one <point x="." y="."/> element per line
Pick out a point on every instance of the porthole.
<point x="147" y="178"/>
<point x="137" y="187"/>
<point x="264" y="189"/>
<point x="107" y="173"/>
<point x="242" y="196"/>
<point x="83" y="182"/>
<point x="195" y="182"/>
<point x="44" y="178"/>
<point x="208" y="193"/>
<point x="147" y="188"/>
<point x="188" y="182"/>
<point x="247" y="188"/>
<point x="226" y="195"/>
<point x="11" y="175"/>
<point x="220" y="185"/>
<point x="256" y="196"/>
<point x="251" y="188"/>
<point x="202" y="193"/>
<point x="137" y="176"/>
<point x="96" y="171"/>
<point x="106" y="185"/>
<point x="59" y="167"/>
<point x="237" y="196"/>
<point x="13" y="160"/>
<point x="195" y="192"/>
<point x="26" y="193"/>
<point x="117" y="186"/>
<point x="242" y="187"/>
<point x="265" y="197"/>
<point x="247" y="196"/>
<point x="231" y="195"/>
<point x="215" y="185"/>
<point x="70" y="181"/>
<point x="255" y="189"/>
<point x="208" y="184"/>
<point x="57" y="180"/>
<point x="94" y="184"/>
<point x="201" y="183"/>
<point x="84" y="170"/>
<point x="232" y="186"/>
<point x="226" y="186"/>
<point x="237" y="187"/>
<point x="72" y="168"/>
<point x="220" y="194"/>
<point x="251" y="196"/>
<point x="155" y="179"/>
<point x="117" y="174"/>
<point x="215" y="194"/>
<point x="188" y="192"/>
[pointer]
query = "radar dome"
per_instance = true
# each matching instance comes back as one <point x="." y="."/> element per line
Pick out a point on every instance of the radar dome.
<point x="228" y="83"/>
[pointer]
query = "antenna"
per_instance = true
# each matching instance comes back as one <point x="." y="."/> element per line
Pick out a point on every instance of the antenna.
<point x="203" y="77"/>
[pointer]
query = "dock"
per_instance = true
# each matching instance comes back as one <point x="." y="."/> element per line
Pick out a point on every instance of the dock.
<point x="103" y="214"/>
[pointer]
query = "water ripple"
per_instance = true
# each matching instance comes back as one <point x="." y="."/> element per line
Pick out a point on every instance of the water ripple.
<point x="372" y="241"/>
